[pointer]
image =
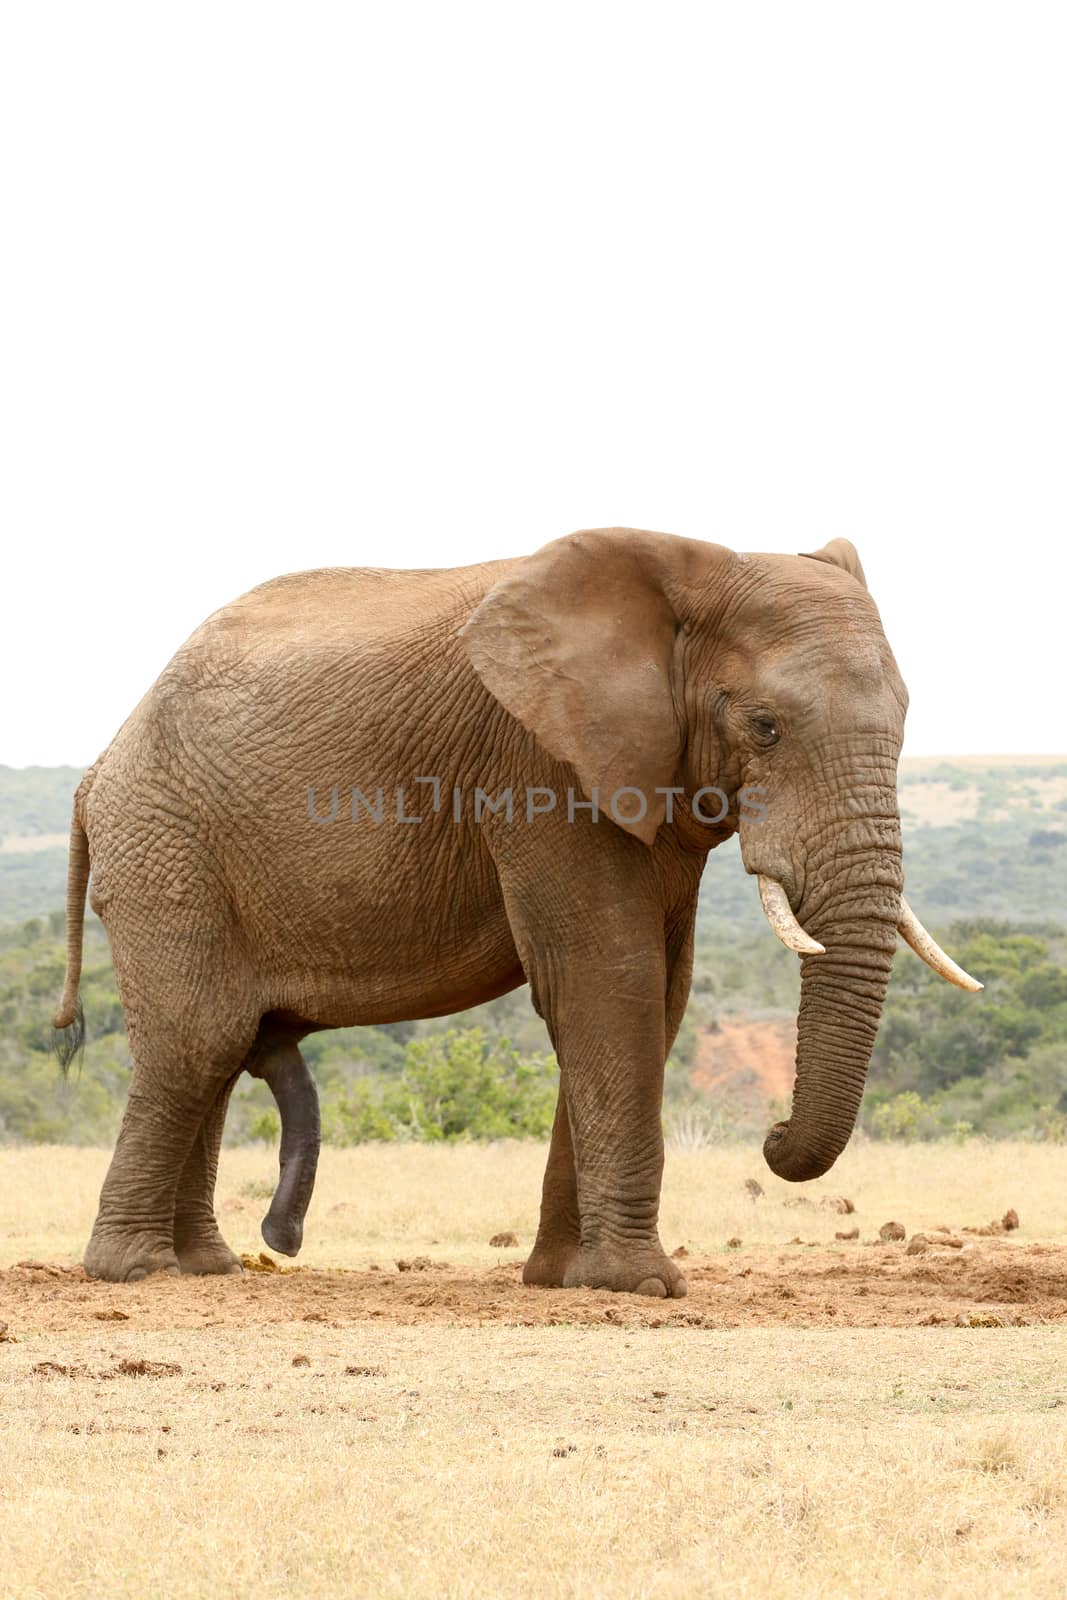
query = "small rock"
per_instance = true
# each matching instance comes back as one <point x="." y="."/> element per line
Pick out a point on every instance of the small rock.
<point x="890" y="1232"/>
<point x="679" y="1254"/>
<point x="659" y="1394"/>
<point x="115" y="1315"/>
<point x="853" y="1233"/>
<point x="839" y="1203"/>
<point x="416" y="1264"/>
<point x="734" y="1243"/>
<point x="504" y="1241"/>
<point x="301" y="1361"/>
<point x="755" y="1188"/>
<point x="365" y="1372"/>
<point x="918" y="1245"/>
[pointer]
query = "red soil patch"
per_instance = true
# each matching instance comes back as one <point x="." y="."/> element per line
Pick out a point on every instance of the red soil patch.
<point x="747" y="1060"/>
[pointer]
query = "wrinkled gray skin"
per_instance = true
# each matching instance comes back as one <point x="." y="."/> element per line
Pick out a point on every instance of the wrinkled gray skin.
<point x="609" y="658"/>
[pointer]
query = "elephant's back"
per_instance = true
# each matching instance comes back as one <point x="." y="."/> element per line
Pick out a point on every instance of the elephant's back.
<point x="232" y="788"/>
<point x="347" y="606"/>
<point x="296" y="645"/>
<point x="308" y="676"/>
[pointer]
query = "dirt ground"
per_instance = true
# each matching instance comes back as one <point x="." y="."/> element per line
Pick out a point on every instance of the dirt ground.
<point x="820" y="1416"/>
<point x="984" y="1283"/>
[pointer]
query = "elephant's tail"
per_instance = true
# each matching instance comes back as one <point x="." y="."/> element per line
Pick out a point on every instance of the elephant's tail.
<point x="69" y="1020"/>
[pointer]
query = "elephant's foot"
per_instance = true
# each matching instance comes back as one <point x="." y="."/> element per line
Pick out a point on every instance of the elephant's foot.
<point x="632" y="1269"/>
<point x="126" y="1255"/>
<point x="202" y="1250"/>
<point x="549" y="1262"/>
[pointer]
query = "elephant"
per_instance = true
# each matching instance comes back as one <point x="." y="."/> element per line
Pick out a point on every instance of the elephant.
<point x="360" y="796"/>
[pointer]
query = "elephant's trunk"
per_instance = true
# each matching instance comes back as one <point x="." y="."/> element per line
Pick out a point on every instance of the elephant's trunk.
<point x="853" y="912"/>
<point x="285" y="1072"/>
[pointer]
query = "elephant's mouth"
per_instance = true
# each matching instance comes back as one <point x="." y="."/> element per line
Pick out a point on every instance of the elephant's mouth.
<point x="784" y="925"/>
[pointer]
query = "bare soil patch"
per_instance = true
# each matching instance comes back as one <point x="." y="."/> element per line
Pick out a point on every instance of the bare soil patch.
<point x="742" y="1053"/>
<point x="851" y="1285"/>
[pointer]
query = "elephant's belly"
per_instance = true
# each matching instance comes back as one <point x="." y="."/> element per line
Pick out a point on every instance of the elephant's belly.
<point x="386" y="945"/>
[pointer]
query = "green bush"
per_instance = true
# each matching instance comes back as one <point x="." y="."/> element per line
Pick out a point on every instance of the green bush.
<point x="265" y="1127"/>
<point x="461" y="1084"/>
<point x="901" y="1118"/>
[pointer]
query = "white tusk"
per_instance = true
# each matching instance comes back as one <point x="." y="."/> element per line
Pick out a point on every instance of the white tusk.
<point x="913" y="933"/>
<point x="779" y="914"/>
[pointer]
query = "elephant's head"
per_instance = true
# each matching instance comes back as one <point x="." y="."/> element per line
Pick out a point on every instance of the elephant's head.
<point x="650" y="662"/>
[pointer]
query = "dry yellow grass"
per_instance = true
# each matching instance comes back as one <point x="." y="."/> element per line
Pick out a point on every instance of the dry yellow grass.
<point x="555" y="1462"/>
<point x="378" y="1201"/>
<point x="507" y="1461"/>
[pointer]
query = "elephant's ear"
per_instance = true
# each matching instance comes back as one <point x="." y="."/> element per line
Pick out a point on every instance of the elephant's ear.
<point x="577" y="642"/>
<point x="839" y="553"/>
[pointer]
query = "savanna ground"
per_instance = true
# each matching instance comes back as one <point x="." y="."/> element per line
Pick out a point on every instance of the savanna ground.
<point x="819" y="1416"/>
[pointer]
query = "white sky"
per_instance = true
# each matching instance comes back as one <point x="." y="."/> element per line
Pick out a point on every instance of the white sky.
<point x="288" y="286"/>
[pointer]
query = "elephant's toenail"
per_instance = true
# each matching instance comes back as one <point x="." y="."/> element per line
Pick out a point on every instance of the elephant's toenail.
<point x="680" y="1290"/>
<point x="652" y="1286"/>
<point x="135" y="1274"/>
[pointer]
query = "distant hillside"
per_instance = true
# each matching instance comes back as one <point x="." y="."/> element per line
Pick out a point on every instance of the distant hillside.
<point x="36" y="801"/>
<point x="984" y="836"/>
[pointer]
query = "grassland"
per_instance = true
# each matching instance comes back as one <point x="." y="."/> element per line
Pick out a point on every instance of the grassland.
<point x="312" y="1435"/>
<point x="375" y="1202"/>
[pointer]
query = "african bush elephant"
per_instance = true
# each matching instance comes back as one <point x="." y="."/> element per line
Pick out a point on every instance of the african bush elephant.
<point x="305" y="825"/>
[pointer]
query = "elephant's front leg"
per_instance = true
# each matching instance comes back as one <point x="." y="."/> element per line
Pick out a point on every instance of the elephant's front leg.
<point x="558" y="1242"/>
<point x="559" y="1233"/>
<point x="599" y="978"/>
<point x="610" y="1036"/>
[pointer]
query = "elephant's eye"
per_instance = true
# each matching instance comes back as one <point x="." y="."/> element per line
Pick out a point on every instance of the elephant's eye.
<point x="765" y="728"/>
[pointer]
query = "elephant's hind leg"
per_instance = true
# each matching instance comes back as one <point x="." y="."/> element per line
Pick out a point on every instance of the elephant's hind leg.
<point x="198" y="1244"/>
<point x="156" y="1192"/>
